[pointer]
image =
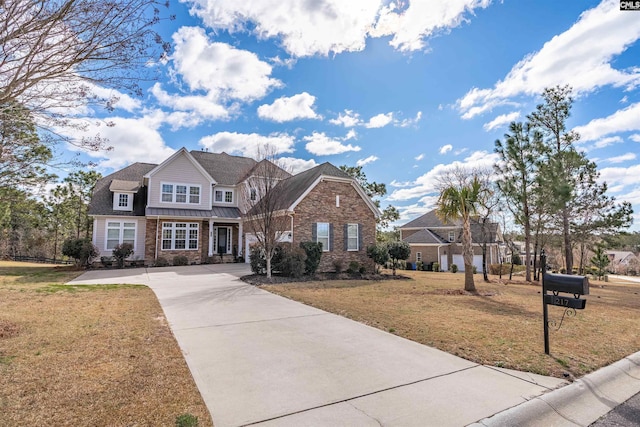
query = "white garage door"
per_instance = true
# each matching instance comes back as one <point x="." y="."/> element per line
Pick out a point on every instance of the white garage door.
<point x="459" y="261"/>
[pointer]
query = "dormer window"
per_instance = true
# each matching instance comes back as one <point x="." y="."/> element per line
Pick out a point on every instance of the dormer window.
<point x="122" y="201"/>
<point x="123" y="192"/>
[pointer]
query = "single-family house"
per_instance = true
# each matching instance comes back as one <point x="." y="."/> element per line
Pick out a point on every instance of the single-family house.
<point x="621" y="262"/>
<point x="195" y="204"/>
<point x="432" y="240"/>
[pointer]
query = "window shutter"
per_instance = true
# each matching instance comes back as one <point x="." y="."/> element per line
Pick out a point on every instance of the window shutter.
<point x="359" y="237"/>
<point x="314" y="232"/>
<point x="330" y="236"/>
<point x="346" y="237"/>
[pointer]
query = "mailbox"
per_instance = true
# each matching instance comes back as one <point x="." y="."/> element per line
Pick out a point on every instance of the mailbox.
<point x="576" y="285"/>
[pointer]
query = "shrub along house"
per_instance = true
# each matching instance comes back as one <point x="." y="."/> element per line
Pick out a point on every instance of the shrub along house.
<point x="193" y="205"/>
<point x="432" y="241"/>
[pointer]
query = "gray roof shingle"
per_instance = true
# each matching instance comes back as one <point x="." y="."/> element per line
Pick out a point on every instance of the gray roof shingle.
<point x="224" y="168"/>
<point x="102" y="200"/>
<point x="426" y="237"/>
<point x="292" y="188"/>
<point x="430" y="222"/>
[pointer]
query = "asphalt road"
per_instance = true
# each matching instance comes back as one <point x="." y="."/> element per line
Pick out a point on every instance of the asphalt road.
<point x="625" y="415"/>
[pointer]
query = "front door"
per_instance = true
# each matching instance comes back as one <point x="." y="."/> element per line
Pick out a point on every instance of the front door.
<point x="222" y="240"/>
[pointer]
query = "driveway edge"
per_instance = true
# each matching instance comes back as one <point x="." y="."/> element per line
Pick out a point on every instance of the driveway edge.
<point x="578" y="404"/>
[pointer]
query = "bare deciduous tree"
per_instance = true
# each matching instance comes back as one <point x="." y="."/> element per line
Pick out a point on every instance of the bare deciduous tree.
<point x="264" y="203"/>
<point x="60" y="55"/>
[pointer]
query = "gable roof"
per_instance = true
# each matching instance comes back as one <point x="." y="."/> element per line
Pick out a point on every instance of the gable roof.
<point x="426" y="237"/>
<point x="224" y="168"/>
<point x="102" y="200"/>
<point x="183" y="151"/>
<point x="430" y="220"/>
<point x="124" y="186"/>
<point x="620" y="256"/>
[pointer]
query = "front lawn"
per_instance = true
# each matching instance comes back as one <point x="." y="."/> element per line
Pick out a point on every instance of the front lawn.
<point x="501" y="326"/>
<point x="87" y="355"/>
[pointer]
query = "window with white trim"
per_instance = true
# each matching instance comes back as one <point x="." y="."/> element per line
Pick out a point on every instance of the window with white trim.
<point x="180" y="193"/>
<point x="323" y="235"/>
<point x="418" y="256"/>
<point x="179" y="236"/>
<point x="223" y="196"/>
<point x="452" y="236"/>
<point x="352" y="237"/>
<point x="122" y="202"/>
<point x="253" y="194"/>
<point x="119" y="232"/>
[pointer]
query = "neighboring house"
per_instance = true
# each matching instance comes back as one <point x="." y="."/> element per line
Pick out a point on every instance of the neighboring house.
<point x="431" y="241"/>
<point x="193" y="204"/>
<point x="622" y="261"/>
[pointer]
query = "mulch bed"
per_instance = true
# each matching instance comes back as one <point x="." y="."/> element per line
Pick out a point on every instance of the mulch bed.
<point x="259" y="280"/>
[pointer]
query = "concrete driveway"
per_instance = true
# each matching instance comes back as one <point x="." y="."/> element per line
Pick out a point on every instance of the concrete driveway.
<point x="260" y="359"/>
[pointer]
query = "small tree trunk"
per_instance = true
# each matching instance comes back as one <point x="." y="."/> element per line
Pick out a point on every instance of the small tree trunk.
<point x="568" y="253"/>
<point x="485" y="276"/>
<point x="467" y="255"/>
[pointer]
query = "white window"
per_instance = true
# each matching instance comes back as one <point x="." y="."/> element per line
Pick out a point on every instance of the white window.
<point x="452" y="236"/>
<point x="180" y="193"/>
<point x="323" y="235"/>
<point x="122" y="202"/>
<point x="224" y="196"/>
<point x="352" y="237"/>
<point x="179" y="235"/>
<point x="119" y="232"/>
<point x="418" y="256"/>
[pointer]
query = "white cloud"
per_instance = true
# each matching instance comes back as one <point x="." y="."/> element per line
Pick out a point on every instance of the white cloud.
<point x="622" y="158"/>
<point x="379" y="120"/>
<point x="501" y="120"/>
<point x="446" y="148"/>
<point x="605" y="142"/>
<point x="411" y="25"/>
<point x="419" y="157"/>
<point x="624" y="120"/>
<point x="635" y="137"/>
<point x="322" y="27"/>
<point x="366" y="161"/>
<point x="352" y="134"/>
<point x="294" y="165"/>
<point x="410" y="122"/>
<point x="218" y="68"/>
<point x="320" y="144"/>
<point x="348" y="119"/>
<point x="132" y="139"/>
<point x="426" y="183"/>
<point x="621" y="176"/>
<point x="248" y="144"/>
<point x="399" y="184"/>
<point x="305" y="28"/>
<point x="581" y="57"/>
<point x="201" y="106"/>
<point x="285" y="109"/>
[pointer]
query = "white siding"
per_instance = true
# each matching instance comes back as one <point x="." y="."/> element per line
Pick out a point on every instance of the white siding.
<point x="179" y="171"/>
<point x="100" y="234"/>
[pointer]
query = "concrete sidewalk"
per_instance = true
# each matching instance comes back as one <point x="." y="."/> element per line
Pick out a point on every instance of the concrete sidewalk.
<point x="260" y="359"/>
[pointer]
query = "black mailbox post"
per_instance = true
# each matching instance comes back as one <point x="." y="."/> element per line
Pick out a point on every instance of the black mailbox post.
<point x="556" y="283"/>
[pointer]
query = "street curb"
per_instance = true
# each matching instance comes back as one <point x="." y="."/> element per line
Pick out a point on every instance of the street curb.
<point x="578" y="404"/>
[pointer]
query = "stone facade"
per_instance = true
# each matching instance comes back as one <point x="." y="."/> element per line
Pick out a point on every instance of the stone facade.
<point x="320" y="205"/>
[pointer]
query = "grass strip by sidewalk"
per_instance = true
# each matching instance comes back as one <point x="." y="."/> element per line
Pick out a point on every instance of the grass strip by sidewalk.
<point x="88" y="355"/>
<point x="501" y="326"/>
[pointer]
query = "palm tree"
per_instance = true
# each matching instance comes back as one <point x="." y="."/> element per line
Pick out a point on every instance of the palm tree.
<point x="460" y="202"/>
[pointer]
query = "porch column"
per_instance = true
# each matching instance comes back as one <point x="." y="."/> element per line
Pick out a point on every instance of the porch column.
<point x="240" y="251"/>
<point x="210" y="237"/>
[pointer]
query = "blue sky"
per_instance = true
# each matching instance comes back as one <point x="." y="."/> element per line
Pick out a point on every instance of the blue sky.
<point x="409" y="89"/>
